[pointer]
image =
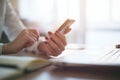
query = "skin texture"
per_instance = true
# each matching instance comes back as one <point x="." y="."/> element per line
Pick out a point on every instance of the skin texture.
<point x="53" y="46"/>
<point x="25" y="39"/>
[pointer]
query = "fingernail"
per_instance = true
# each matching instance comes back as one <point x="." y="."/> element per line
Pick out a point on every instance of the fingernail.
<point x="35" y="39"/>
<point x="46" y="38"/>
<point x="49" y="33"/>
<point x="57" y="31"/>
<point x="45" y="42"/>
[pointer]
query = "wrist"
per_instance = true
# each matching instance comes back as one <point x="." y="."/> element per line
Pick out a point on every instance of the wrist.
<point x="7" y="49"/>
<point x="1" y="48"/>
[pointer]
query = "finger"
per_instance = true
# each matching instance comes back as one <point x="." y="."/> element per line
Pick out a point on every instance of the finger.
<point x="29" y="41"/>
<point x="35" y="33"/>
<point x="30" y="32"/>
<point x="31" y="36"/>
<point x="45" y="48"/>
<point x="54" y="47"/>
<point x="51" y="51"/>
<point x="61" y="37"/>
<point x="67" y="30"/>
<point x="56" y="40"/>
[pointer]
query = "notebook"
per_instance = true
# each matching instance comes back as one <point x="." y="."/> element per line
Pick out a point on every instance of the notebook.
<point x="12" y="66"/>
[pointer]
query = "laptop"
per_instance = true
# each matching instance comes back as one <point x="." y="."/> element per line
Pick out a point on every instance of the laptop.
<point x="89" y="59"/>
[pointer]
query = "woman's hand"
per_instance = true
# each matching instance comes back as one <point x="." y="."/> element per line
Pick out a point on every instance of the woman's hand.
<point x="54" y="44"/>
<point x="25" y="39"/>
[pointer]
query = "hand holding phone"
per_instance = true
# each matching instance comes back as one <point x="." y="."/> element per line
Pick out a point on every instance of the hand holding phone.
<point x="66" y="25"/>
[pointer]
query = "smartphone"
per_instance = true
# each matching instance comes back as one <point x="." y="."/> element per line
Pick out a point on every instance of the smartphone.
<point x="65" y="25"/>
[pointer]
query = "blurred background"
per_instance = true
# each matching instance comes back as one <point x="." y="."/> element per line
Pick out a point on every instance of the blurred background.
<point x="97" y="21"/>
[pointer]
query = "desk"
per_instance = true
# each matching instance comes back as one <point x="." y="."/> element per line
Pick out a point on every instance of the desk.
<point x="51" y="73"/>
<point x="54" y="73"/>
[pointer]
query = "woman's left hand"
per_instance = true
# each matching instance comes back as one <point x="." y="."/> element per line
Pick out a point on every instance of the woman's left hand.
<point x="54" y="44"/>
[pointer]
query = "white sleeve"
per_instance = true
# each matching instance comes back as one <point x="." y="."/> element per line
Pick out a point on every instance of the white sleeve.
<point x="13" y="25"/>
<point x="1" y="45"/>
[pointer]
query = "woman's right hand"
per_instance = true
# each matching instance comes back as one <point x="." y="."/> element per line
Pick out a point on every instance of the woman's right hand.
<point x="25" y="39"/>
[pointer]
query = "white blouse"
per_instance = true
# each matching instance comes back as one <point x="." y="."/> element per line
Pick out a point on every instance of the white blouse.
<point x="9" y="22"/>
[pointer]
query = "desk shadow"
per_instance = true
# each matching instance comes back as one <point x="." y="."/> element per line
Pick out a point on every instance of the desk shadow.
<point x="91" y="73"/>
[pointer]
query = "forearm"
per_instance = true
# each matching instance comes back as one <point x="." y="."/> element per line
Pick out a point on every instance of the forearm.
<point x="4" y="49"/>
<point x="7" y="49"/>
